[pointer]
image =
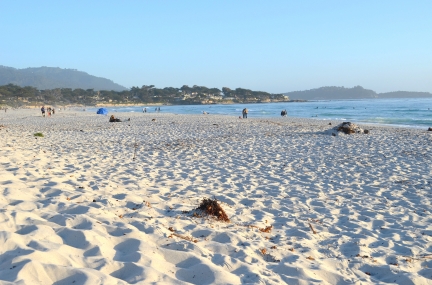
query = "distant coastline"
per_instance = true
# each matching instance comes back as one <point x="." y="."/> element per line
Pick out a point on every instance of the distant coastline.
<point x="88" y="90"/>
<point x="357" y="92"/>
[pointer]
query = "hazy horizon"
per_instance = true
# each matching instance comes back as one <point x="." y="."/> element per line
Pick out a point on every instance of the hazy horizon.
<point x="276" y="46"/>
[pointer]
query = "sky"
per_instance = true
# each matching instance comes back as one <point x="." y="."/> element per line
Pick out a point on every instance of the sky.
<point x="273" y="46"/>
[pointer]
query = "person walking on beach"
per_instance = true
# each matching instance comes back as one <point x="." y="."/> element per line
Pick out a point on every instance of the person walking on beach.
<point x="245" y="112"/>
<point x="43" y="111"/>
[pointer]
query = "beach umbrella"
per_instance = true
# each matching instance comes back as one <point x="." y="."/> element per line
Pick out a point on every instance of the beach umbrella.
<point x="102" y="111"/>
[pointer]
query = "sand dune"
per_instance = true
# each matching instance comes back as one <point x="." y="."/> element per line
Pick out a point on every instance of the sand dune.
<point x="94" y="202"/>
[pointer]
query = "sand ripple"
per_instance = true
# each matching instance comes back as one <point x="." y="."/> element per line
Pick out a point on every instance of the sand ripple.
<point x="77" y="208"/>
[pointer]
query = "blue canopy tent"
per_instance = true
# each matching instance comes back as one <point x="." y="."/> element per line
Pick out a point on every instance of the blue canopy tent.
<point x="102" y="111"/>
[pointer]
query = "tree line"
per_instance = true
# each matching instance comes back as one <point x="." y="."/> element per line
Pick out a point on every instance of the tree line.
<point x="14" y="95"/>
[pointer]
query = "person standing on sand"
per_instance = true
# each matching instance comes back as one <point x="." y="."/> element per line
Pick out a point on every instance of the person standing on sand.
<point x="43" y="111"/>
<point x="245" y="113"/>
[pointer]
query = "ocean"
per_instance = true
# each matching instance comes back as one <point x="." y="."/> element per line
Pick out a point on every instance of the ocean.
<point x="414" y="113"/>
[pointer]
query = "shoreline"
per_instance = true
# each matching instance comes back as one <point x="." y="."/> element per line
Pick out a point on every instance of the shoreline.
<point x="341" y="110"/>
<point x="75" y="109"/>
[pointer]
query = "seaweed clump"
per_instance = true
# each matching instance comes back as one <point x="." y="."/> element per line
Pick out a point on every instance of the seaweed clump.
<point x="212" y="207"/>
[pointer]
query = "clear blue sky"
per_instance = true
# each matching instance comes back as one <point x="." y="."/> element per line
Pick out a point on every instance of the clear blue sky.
<point x="275" y="46"/>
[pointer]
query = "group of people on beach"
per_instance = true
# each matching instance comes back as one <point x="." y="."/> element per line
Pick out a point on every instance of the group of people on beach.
<point x="245" y="111"/>
<point x="157" y="109"/>
<point x="50" y="111"/>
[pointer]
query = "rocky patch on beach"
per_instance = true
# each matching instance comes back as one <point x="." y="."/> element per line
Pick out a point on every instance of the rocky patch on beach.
<point x="347" y="128"/>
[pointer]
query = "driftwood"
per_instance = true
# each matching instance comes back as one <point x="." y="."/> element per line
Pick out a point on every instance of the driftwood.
<point x="184" y="237"/>
<point x="312" y="229"/>
<point x="266" y="229"/>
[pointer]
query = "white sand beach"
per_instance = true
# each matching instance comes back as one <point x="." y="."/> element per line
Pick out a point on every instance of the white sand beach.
<point x="94" y="202"/>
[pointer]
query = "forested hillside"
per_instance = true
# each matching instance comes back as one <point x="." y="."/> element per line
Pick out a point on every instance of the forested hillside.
<point x="14" y="95"/>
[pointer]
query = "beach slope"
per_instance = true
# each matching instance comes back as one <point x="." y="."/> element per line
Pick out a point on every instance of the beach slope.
<point x="93" y="202"/>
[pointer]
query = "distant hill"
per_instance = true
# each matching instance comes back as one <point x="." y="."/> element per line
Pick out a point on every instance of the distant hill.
<point x="357" y="92"/>
<point x="53" y="77"/>
<point x="405" y="94"/>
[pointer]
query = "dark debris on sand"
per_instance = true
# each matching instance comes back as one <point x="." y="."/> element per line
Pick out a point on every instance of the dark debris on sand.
<point x="211" y="207"/>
